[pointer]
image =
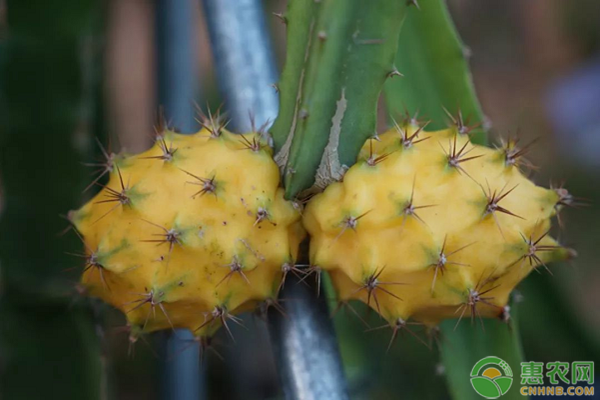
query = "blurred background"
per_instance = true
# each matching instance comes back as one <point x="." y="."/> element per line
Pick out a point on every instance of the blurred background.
<point x="89" y="68"/>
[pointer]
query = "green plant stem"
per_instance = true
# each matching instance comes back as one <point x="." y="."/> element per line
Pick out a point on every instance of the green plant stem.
<point x="340" y="53"/>
<point x="49" y="345"/>
<point x="433" y="59"/>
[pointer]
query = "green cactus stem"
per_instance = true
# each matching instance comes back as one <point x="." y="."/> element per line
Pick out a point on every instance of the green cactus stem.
<point x="340" y="53"/>
<point x="435" y="62"/>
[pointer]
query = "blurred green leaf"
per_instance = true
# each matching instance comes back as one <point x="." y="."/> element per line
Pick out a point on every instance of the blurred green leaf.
<point x="546" y="310"/>
<point x="463" y="346"/>
<point x="49" y="349"/>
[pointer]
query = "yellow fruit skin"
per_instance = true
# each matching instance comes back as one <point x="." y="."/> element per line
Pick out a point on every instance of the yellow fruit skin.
<point x="381" y="251"/>
<point x="180" y="281"/>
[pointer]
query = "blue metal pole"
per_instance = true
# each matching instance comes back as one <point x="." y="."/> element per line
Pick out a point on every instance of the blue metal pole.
<point x="178" y="87"/>
<point x="245" y="63"/>
<point x="304" y="341"/>
<point x="305" y="346"/>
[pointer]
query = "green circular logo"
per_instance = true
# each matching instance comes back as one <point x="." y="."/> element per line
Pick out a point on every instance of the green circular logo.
<point x="491" y="377"/>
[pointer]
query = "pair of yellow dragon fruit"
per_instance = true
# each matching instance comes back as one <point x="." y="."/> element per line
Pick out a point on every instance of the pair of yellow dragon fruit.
<point x="425" y="226"/>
